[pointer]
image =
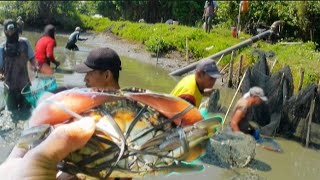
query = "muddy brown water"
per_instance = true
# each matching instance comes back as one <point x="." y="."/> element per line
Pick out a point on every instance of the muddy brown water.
<point x="296" y="162"/>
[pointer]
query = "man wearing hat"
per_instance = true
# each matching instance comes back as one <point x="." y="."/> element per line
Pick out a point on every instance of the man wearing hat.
<point x="193" y="87"/>
<point x="102" y="68"/>
<point x="242" y="113"/>
<point x="15" y="55"/>
<point x="73" y="38"/>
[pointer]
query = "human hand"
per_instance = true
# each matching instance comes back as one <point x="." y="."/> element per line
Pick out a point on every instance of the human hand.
<point x="41" y="161"/>
<point x="57" y="63"/>
<point x="1" y="77"/>
<point x="208" y="91"/>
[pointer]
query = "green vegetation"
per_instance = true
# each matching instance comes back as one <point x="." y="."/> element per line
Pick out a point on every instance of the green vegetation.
<point x="173" y="37"/>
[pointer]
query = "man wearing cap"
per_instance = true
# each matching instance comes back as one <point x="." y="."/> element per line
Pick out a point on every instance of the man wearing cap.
<point x="73" y="38"/>
<point x="102" y="68"/>
<point x="193" y="87"/>
<point x="242" y="113"/>
<point x="15" y="54"/>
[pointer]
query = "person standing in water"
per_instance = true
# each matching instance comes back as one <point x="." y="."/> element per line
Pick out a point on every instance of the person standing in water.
<point x="15" y="54"/>
<point x="73" y="38"/>
<point x="20" y="24"/>
<point x="44" y="50"/>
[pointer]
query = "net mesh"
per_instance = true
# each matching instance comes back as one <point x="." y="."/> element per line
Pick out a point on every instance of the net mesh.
<point x="38" y="87"/>
<point x="285" y="114"/>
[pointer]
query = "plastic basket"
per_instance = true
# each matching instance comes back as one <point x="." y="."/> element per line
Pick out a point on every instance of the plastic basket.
<point x="38" y="87"/>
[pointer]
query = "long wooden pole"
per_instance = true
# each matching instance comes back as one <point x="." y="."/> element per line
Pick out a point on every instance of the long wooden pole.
<point x="225" y="117"/>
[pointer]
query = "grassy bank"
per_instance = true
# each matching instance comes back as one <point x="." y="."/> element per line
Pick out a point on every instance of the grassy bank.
<point x="166" y="38"/>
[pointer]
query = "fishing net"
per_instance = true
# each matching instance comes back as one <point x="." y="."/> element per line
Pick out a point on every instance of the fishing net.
<point x="284" y="114"/>
<point x="38" y="87"/>
<point x="302" y="118"/>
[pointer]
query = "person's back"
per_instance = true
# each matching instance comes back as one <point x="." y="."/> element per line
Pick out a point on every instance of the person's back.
<point x="44" y="50"/>
<point x="243" y="106"/>
<point x="209" y="9"/>
<point x="73" y="38"/>
<point x="243" y="111"/>
<point x="41" y="48"/>
<point x="187" y="89"/>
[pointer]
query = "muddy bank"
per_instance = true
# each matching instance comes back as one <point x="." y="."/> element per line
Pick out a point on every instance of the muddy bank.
<point x="170" y="62"/>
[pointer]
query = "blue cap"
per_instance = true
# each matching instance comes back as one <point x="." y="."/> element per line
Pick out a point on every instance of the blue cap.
<point x="209" y="67"/>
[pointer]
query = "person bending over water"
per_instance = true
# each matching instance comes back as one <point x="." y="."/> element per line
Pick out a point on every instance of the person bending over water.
<point x="193" y="87"/>
<point x="242" y="113"/>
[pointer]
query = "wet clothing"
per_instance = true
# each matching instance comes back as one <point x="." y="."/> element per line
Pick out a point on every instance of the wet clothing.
<point x="188" y="89"/>
<point x="44" y="50"/>
<point x="243" y="106"/>
<point x="73" y="38"/>
<point x="14" y="66"/>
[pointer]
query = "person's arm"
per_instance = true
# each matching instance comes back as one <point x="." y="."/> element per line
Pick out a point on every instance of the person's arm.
<point x="31" y="58"/>
<point x="81" y="39"/>
<point x="236" y="118"/>
<point x="208" y="91"/>
<point x="41" y="161"/>
<point x="188" y="98"/>
<point x="50" y="51"/>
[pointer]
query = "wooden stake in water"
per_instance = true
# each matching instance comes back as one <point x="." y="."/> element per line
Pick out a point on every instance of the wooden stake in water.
<point x="160" y="39"/>
<point x="224" y="119"/>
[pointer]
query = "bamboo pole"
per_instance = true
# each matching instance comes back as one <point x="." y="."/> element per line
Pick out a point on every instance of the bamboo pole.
<point x="311" y="112"/>
<point x="224" y="119"/>
<point x="231" y="70"/>
<point x="240" y="69"/>
<point x="220" y="59"/>
<point x="274" y="63"/>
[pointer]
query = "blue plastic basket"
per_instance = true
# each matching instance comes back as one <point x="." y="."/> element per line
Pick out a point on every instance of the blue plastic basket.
<point x="38" y="87"/>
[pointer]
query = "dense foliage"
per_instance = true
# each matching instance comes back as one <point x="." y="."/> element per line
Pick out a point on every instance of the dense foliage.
<point x="301" y="17"/>
<point x="164" y="37"/>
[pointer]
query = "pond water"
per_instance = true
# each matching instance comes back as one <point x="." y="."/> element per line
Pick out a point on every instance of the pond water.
<point x="296" y="162"/>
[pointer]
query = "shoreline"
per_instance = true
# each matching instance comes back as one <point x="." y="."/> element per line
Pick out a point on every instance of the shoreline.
<point x="137" y="51"/>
